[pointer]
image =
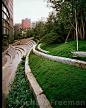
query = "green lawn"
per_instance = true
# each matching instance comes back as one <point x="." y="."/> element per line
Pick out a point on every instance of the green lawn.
<point x="64" y="49"/>
<point x="60" y="82"/>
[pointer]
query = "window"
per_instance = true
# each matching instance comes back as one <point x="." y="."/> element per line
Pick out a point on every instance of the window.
<point x="5" y="17"/>
<point x="7" y="32"/>
<point x="5" y="10"/>
<point x="2" y="22"/>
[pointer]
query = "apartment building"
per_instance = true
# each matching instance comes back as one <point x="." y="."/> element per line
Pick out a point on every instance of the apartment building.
<point x="26" y="24"/>
<point x="7" y="23"/>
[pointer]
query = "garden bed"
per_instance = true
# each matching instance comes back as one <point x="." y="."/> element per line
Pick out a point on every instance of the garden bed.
<point x="20" y="95"/>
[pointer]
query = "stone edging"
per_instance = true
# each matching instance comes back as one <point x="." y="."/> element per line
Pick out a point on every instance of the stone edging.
<point x="79" y="53"/>
<point x="42" y="49"/>
<point x="42" y="101"/>
<point x="64" y="60"/>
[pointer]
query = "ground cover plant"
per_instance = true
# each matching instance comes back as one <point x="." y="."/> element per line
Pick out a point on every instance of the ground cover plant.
<point x="65" y="49"/>
<point x="60" y="82"/>
<point x="20" y="95"/>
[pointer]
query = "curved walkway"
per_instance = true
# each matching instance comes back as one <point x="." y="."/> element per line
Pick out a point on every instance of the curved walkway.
<point x="9" y="69"/>
<point x="10" y="66"/>
<point x="64" y="60"/>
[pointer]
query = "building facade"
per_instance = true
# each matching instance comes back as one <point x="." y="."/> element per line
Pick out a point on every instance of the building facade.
<point x="17" y="27"/>
<point x="26" y="23"/>
<point x="7" y="23"/>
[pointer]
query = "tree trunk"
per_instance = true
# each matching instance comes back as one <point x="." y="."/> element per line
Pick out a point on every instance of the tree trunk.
<point x="81" y="29"/>
<point x="76" y="30"/>
<point x="84" y="31"/>
<point x="67" y="36"/>
<point x="74" y="35"/>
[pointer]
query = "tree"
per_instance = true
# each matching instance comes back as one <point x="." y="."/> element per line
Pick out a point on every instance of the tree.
<point x="29" y="33"/>
<point x="52" y="37"/>
<point x="39" y="30"/>
<point x="66" y="15"/>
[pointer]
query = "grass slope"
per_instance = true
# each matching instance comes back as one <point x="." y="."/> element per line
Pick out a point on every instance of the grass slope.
<point x="60" y="82"/>
<point x="64" y="49"/>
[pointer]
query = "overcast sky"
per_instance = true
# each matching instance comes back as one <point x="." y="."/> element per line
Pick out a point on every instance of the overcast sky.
<point x="31" y="9"/>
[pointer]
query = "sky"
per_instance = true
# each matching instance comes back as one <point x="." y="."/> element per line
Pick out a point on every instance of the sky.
<point x="31" y="9"/>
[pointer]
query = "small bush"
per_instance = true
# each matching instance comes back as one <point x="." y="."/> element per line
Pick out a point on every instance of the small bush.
<point x="52" y="37"/>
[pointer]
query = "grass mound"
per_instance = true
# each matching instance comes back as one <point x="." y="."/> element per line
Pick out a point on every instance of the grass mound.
<point x="60" y="82"/>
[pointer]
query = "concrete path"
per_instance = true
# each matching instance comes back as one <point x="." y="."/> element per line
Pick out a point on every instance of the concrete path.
<point x="9" y="69"/>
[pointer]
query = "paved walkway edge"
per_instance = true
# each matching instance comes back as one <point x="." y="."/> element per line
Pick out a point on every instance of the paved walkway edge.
<point x="42" y="100"/>
<point x="64" y="60"/>
<point x="42" y="49"/>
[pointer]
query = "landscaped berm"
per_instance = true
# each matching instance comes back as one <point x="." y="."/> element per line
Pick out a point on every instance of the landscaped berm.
<point x="64" y="85"/>
<point x="44" y="66"/>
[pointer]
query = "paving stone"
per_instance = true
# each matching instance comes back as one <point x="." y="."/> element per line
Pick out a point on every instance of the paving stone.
<point x="43" y="102"/>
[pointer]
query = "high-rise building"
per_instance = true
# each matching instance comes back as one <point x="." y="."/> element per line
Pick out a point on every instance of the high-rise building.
<point x="7" y="22"/>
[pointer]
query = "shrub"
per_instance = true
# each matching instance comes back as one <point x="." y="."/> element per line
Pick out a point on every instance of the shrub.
<point x="52" y="37"/>
<point x="20" y="95"/>
<point x="11" y="41"/>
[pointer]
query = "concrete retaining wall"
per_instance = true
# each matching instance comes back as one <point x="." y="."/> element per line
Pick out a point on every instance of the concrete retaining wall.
<point x="79" y="53"/>
<point x="42" y="49"/>
<point x="64" y="60"/>
<point x="4" y="60"/>
<point x="16" y="43"/>
<point x="42" y="100"/>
